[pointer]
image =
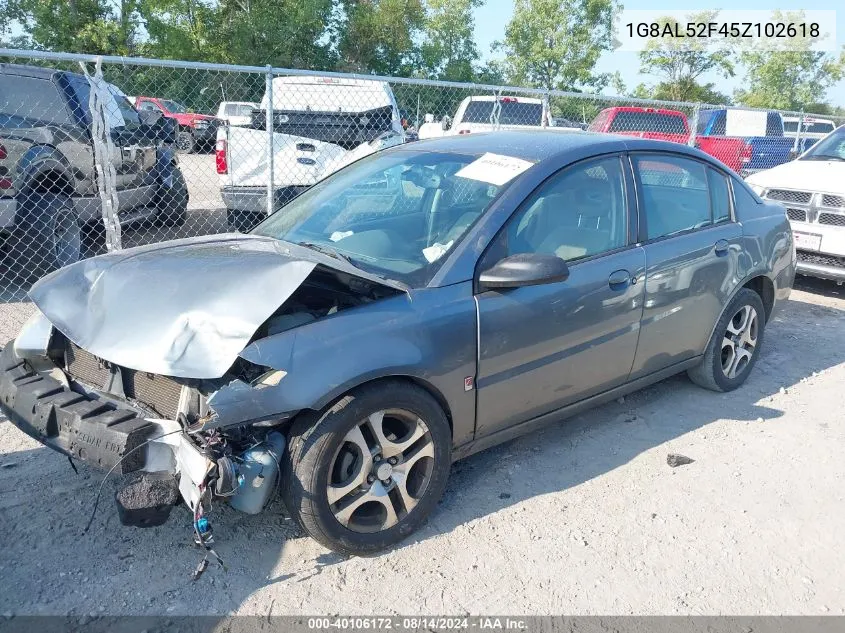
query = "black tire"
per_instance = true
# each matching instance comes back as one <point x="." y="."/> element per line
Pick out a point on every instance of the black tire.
<point x="47" y="235"/>
<point x="243" y="221"/>
<point x="710" y="373"/>
<point x="185" y="141"/>
<point x="315" y="441"/>
<point x="172" y="203"/>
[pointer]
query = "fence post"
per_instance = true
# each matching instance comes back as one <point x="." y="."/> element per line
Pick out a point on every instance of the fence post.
<point x="796" y="145"/>
<point x="694" y="125"/>
<point x="270" y="124"/>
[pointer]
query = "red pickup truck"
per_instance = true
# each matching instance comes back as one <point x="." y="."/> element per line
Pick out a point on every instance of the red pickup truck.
<point x="672" y="126"/>
<point x="194" y="130"/>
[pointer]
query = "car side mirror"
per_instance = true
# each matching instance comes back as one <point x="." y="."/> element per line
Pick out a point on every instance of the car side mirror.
<point x="524" y="269"/>
<point x="149" y="117"/>
<point x="166" y="129"/>
<point x="445" y="123"/>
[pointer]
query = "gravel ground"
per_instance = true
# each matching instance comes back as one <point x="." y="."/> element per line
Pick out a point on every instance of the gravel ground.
<point x="584" y="517"/>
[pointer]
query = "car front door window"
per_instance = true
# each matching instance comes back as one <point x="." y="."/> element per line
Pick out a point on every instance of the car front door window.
<point x="578" y="213"/>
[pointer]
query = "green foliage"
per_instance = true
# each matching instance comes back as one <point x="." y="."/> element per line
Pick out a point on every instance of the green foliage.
<point x="688" y="89"/>
<point x="679" y="62"/>
<point x="555" y="44"/>
<point x="448" y="50"/>
<point x="793" y="77"/>
<point x="378" y="35"/>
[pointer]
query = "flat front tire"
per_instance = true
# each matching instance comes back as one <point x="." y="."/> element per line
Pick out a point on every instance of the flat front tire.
<point x="364" y="474"/>
<point x="735" y="346"/>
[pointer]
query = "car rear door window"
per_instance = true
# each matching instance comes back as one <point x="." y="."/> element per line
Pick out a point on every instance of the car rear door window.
<point x="720" y="195"/>
<point x="32" y="98"/>
<point x="579" y="212"/>
<point x="674" y="194"/>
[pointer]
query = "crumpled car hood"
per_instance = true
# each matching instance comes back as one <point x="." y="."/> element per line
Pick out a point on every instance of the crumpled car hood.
<point x="184" y="308"/>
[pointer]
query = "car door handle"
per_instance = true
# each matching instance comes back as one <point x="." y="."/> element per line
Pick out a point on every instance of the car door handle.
<point x="721" y="248"/>
<point x="619" y="279"/>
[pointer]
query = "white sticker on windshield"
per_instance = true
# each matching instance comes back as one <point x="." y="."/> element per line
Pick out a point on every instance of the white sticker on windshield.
<point x="436" y="251"/>
<point x="494" y="168"/>
<point x="339" y="235"/>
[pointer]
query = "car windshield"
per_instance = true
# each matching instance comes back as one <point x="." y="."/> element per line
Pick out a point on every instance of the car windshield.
<point x="173" y="106"/>
<point x="512" y="113"/>
<point x="831" y="147"/>
<point x="394" y="214"/>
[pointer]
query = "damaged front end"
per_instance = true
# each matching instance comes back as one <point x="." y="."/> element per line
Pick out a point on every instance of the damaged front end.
<point x="162" y="393"/>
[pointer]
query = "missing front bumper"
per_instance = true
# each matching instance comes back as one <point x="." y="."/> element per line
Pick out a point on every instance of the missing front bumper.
<point x="90" y="430"/>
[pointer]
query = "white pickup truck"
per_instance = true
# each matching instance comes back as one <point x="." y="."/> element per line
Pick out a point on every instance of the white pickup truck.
<point x="319" y="124"/>
<point x="812" y="190"/>
<point x="484" y="113"/>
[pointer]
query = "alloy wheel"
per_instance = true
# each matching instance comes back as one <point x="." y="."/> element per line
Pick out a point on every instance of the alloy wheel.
<point x="381" y="470"/>
<point x="740" y="341"/>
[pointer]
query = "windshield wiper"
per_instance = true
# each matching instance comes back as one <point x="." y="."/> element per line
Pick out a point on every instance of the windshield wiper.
<point x="823" y="157"/>
<point x="328" y="250"/>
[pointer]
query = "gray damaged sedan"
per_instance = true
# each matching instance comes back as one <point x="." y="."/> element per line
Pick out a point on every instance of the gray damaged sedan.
<point x="417" y="306"/>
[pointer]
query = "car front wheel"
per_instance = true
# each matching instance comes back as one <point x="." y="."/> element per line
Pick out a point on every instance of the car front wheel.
<point x="364" y="474"/>
<point x="735" y="345"/>
<point x="47" y="235"/>
<point x="185" y="142"/>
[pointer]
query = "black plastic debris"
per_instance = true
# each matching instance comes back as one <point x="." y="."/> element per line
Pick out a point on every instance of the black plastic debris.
<point x="675" y="460"/>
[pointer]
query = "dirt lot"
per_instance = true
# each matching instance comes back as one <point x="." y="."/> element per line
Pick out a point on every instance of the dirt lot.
<point x="582" y="517"/>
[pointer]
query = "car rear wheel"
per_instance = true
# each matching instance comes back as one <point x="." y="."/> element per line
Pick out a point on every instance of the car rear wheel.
<point x="735" y="345"/>
<point x="364" y="474"/>
<point x="47" y="235"/>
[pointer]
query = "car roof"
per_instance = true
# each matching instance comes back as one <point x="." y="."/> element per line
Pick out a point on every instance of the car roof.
<point x="39" y="72"/>
<point x="539" y="145"/>
<point x="516" y="98"/>
<point x="644" y="109"/>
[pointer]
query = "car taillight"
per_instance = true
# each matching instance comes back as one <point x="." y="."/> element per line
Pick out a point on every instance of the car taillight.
<point x="463" y="131"/>
<point x="220" y="157"/>
<point x="509" y="100"/>
<point x="2" y="153"/>
<point x="745" y="155"/>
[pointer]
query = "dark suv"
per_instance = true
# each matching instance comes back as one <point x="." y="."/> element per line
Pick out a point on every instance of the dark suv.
<point x="49" y="193"/>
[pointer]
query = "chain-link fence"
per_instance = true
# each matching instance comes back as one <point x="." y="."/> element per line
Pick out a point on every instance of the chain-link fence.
<point x="101" y="154"/>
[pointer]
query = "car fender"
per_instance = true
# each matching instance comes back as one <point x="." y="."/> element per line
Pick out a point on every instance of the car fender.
<point x="427" y="336"/>
<point x="38" y="160"/>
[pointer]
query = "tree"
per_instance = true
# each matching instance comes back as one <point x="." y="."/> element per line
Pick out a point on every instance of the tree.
<point x="286" y="33"/>
<point x="81" y="26"/>
<point x="555" y="44"/>
<point x="792" y="76"/>
<point x="680" y="61"/>
<point x="692" y="91"/>
<point x="448" y="50"/>
<point x="181" y="29"/>
<point x="378" y="35"/>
